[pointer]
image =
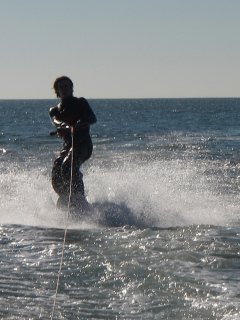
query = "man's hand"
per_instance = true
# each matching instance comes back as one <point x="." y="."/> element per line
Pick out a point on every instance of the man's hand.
<point x="64" y="132"/>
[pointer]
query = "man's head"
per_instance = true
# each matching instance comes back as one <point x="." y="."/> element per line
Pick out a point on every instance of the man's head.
<point x="63" y="87"/>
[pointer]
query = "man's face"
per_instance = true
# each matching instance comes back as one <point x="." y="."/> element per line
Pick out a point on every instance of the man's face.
<point x="65" y="89"/>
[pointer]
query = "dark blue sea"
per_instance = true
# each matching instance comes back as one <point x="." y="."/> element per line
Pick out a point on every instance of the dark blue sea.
<point x="172" y="166"/>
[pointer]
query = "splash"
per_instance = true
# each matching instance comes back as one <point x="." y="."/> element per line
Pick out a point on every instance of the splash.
<point x="162" y="193"/>
<point x="26" y="197"/>
<point x="170" y="193"/>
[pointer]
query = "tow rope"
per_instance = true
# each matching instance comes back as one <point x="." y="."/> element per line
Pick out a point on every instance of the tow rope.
<point x="65" y="233"/>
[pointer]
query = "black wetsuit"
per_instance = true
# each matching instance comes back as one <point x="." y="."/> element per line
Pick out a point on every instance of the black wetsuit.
<point x="70" y="112"/>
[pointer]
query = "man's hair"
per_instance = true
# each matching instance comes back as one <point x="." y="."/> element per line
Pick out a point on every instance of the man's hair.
<point x="59" y="79"/>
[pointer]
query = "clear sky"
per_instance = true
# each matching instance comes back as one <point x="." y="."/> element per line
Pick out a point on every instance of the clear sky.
<point x="120" y="48"/>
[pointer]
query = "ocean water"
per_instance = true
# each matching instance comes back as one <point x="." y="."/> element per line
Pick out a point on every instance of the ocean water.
<point x="172" y="165"/>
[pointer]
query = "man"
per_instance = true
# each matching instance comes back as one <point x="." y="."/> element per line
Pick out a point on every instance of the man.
<point x="73" y="117"/>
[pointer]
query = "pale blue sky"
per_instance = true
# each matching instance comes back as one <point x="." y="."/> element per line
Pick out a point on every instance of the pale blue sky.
<point x="120" y="48"/>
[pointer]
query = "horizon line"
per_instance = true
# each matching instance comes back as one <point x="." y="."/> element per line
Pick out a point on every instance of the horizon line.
<point x="146" y="98"/>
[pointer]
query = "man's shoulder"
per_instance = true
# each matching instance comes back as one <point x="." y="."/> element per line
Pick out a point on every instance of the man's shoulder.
<point x="82" y="100"/>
